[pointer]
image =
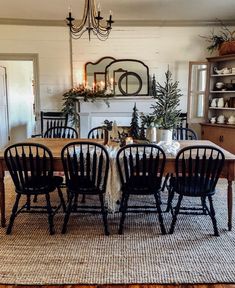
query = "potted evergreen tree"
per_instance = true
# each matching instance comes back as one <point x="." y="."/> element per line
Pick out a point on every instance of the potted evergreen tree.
<point x="165" y="109"/>
<point x="134" y="126"/>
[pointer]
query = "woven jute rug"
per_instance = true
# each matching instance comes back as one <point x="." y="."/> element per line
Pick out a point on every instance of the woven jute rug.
<point x="142" y="255"/>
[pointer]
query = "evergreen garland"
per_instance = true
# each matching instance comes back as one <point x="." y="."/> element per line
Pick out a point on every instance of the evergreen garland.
<point x="167" y="101"/>
<point x="72" y="96"/>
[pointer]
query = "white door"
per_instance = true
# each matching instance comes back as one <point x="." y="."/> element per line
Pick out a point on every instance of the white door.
<point x="4" y="128"/>
<point x="20" y="94"/>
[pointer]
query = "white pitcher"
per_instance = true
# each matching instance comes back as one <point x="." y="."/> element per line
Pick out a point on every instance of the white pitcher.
<point x="220" y="119"/>
<point x="220" y="102"/>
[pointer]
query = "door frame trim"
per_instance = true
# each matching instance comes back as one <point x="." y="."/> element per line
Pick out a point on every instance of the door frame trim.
<point x="34" y="57"/>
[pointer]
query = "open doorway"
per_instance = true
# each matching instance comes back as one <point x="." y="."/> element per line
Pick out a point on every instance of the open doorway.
<point x="21" y="97"/>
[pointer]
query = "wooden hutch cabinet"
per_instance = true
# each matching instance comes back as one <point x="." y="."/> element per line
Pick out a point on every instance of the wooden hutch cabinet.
<point x="220" y="102"/>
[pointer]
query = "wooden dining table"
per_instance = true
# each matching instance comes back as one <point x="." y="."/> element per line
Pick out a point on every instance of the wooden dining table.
<point x="56" y="145"/>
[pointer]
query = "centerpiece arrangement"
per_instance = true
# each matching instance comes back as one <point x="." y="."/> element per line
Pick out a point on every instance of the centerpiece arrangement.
<point x="158" y="125"/>
<point x="85" y="93"/>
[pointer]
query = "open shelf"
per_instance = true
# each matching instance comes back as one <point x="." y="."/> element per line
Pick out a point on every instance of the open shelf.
<point x="222" y="92"/>
<point x="222" y="75"/>
<point x="222" y="108"/>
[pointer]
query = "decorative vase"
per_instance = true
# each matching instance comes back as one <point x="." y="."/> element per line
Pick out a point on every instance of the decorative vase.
<point x="151" y="134"/>
<point x="165" y="135"/>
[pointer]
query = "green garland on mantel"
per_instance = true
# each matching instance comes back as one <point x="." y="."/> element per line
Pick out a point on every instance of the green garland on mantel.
<point x="82" y="93"/>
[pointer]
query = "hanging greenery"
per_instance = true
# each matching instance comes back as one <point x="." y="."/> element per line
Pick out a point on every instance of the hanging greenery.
<point x="86" y="94"/>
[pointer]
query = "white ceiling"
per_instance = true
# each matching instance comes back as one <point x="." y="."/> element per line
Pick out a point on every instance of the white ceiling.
<point x="153" y="10"/>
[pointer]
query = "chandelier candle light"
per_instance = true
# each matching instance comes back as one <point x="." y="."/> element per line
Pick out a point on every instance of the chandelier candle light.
<point x="91" y="22"/>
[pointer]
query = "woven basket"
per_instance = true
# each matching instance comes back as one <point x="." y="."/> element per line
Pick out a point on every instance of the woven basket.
<point x="227" y="47"/>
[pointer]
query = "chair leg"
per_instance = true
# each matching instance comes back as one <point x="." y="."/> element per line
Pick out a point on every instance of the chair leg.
<point x="61" y="199"/>
<point x="104" y="214"/>
<point x="203" y="200"/>
<point x="75" y="203"/>
<point x="121" y="203"/>
<point x="163" y="230"/>
<point x="67" y="213"/>
<point x="50" y="215"/>
<point x="28" y="202"/>
<point x="124" y="209"/>
<point x="13" y="214"/>
<point x="35" y="198"/>
<point x="212" y="215"/>
<point x="164" y="185"/>
<point x="83" y="199"/>
<point x="176" y="212"/>
<point x="171" y="195"/>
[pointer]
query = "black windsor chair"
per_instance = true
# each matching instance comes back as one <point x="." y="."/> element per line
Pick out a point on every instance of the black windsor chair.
<point x="61" y="132"/>
<point x="179" y="133"/>
<point x="141" y="169"/>
<point x="99" y="132"/>
<point x="51" y="119"/>
<point x="86" y="166"/>
<point x="184" y="134"/>
<point x="31" y="169"/>
<point x="197" y="171"/>
<point x="183" y="123"/>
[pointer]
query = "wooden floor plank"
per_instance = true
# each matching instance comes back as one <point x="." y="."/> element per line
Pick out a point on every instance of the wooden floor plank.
<point x="125" y="286"/>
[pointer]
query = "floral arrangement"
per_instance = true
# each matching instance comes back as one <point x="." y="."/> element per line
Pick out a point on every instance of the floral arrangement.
<point x="87" y="95"/>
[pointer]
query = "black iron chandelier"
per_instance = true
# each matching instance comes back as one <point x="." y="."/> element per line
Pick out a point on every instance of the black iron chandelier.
<point x="91" y="22"/>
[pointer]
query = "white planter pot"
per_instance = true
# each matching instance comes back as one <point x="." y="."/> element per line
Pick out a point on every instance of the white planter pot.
<point x="165" y="135"/>
<point x="151" y="134"/>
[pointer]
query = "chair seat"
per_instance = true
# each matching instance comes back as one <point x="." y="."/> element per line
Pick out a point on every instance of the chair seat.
<point x="83" y="186"/>
<point x="142" y="185"/>
<point x="40" y="185"/>
<point x="192" y="187"/>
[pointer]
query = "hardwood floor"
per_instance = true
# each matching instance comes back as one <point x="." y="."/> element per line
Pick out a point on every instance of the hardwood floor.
<point x="125" y="286"/>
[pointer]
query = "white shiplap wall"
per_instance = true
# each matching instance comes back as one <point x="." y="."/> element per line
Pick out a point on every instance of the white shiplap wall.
<point x="158" y="47"/>
<point x="52" y="46"/>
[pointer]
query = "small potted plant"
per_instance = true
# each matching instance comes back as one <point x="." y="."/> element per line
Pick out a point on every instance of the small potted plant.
<point x="165" y="109"/>
<point x="150" y="123"/>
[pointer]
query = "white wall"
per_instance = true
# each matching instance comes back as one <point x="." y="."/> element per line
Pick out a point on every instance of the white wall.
<point x="52" y="46"/>
<point x="158" y="47"/>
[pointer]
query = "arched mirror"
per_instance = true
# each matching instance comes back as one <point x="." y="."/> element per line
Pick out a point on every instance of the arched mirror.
<point x="95" y="72"/>
<point x="127" y="77"/>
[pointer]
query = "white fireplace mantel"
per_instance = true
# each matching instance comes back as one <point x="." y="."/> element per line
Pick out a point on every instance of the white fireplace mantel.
<point x="120" y="110"/>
